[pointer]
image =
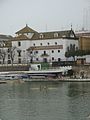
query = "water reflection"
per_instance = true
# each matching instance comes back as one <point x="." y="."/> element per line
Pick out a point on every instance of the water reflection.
<point x="78" y="89"/>
<point x="45" y="101"/>
<point x="79" y="94"/>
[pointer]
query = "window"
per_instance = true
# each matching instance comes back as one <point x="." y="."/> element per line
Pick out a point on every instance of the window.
<point x="41" y="35"/>
<point x="44" y="59"/>
<point x="58" y="51"/>
<point x="19" y="54"/>
<point x="36" y="59"/>
<point x="19" y="43"/>
<point x="67" y="48"/>
<point x="44" y="52"/>
<point x="55" y="34"/>
<point x="48" y="43"/>
<point x="41" y="44"/>
<point x="71" y="47"/>
<point x="36" y="51"/>
<point x="8" y="51"/>
<point x="39" y="67"/>
<point x="59" y="59"/>
<point x="30" y="52"/>
<point x="9" y="61"/>
<point x="19" y="60"/>
<point x="52" y="51"/>
<point x="34" y="44"/>
<point x="52" y="58"/>
<point x="55" y="43"/>
<point x="8" y="56"/>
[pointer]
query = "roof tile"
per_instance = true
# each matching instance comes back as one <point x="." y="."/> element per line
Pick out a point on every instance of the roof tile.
<point x="26" y="29"/>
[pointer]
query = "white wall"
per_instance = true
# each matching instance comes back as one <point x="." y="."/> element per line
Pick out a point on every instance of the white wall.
<point x="87" y="58"/>
<point x="56" y="55"/>
<point x="25" y="44"/>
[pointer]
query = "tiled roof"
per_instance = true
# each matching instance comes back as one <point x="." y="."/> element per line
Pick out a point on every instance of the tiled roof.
<point x="21" y="37"/>
<point x="26" y="29"/>
<point x="5" y="36"/>
<point x="69" y="34"/>
<point x="6" y="44"/>
<point x="83" y="34"/>
<point x="51" y="35"/>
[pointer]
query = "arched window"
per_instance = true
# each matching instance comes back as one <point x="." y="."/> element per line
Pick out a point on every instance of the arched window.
<point x="71" y="47"/>
<point x="67" y="48"/>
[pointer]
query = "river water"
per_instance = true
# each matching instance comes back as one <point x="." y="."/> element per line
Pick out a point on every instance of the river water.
<point x="45" y="101"/>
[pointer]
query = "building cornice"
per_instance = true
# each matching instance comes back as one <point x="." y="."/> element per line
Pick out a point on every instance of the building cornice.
<point x="45" y="47"/>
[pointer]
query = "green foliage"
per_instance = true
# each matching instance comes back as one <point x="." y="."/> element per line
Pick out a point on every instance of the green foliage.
<point x="71" y="53"/>
<point x="44" y="65"/>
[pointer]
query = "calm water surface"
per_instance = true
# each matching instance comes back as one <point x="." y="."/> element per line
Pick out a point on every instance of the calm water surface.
<point x="45" y="101"/>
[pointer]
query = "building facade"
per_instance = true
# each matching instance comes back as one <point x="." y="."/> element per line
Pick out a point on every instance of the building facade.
<point x="84" y="42"/>
<point x="5" y="44"/>
<point x="32" y="46"/>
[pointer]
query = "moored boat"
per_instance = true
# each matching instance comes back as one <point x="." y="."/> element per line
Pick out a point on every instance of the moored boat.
<point x="34" y="74"/>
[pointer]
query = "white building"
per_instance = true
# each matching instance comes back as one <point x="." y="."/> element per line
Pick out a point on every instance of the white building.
<point x="5" y="43"/>
<point x="42" y="47"/>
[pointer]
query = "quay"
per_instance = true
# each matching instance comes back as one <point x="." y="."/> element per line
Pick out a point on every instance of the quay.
<point x="61" y="74"/>
<point x="58" y="80"/>
<point x="11" y="81"/>
<point x="44" y="80"/>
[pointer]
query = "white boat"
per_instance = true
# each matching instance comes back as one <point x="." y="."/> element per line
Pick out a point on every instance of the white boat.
<point x="34" y="74"/>
<point x="9" y="76"/>
<point x="45" y="74"/>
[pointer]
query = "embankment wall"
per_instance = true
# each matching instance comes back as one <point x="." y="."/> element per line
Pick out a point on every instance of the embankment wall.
<point x="14" y="68"/>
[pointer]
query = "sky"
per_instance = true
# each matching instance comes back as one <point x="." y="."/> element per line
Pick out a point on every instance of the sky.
<point x="42" y="15"/>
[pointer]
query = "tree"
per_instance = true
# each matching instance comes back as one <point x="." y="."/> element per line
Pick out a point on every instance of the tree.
<point x="3" y="54"/>
<point x="11" y="51"/>
<point x="72" y="53"/>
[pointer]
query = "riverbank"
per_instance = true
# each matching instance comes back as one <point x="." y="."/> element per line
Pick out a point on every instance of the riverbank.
<point x="20" y="81"/>
<point x="11" y="81"/>
<point x="79" y="68"/>
<point x="76" y="77"/>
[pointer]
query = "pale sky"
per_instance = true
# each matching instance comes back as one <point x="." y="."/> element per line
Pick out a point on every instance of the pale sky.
<point x="42" y="15"/>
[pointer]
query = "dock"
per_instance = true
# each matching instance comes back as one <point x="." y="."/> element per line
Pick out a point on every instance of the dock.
<point x="57" y="80"/>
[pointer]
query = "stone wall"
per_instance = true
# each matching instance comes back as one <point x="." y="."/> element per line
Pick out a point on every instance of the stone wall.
<point x="79" y="68"/>
<point x="14" y="68"/>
